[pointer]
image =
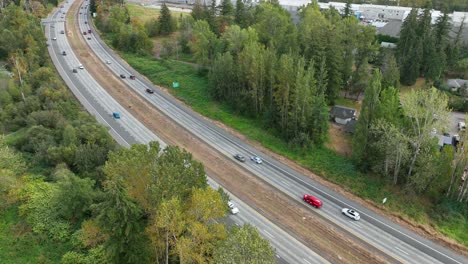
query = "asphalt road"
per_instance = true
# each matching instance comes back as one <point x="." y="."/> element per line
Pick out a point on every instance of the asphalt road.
<point x="379" y="232"/>
<point x="128" y="130"/>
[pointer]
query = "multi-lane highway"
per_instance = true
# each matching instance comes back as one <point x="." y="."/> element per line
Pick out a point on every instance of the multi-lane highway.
<point x="127" y="130"/>
<point x="391" y="239"/>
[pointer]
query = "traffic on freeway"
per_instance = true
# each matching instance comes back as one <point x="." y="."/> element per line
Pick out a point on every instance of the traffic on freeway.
<point x="127" y="130"/>
<point x="394" y="240"/>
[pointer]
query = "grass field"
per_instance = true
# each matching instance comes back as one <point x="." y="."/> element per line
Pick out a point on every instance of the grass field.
<point x="144" y="13"/>
<point x="18" y="245"/>
<point x="338" y="169"/>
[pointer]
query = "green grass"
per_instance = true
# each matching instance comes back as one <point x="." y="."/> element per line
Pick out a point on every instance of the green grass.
<point x="348" y="103"/>
<point x="144" y="13"/>
<point x="338" y="169"/>
<point x="18" y="245"/>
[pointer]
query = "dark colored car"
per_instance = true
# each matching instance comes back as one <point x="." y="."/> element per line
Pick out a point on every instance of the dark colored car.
<point x="312" y="201"/>
<point x="75" y="70"/>
<point x="84" y="33"/>
<point x="122" y="76"/>
<point x="149" y="91"/>
<point x="239" y="157"/>
<point x="64" y="53"/>
<point x="89" y="31"/>
<point x="132" y="77"/>
<point x="89" y="38"/>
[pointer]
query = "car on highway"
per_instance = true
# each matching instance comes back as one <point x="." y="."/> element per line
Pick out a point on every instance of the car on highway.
<point x="239" y="157"/>
<point x="86" y="22"/>
<point x="314" y="201"/>
<point x="150" y="91"/>
<point x="108" y="62"/>
<point x="54" y="38"/>
<point x="351" y="214"/>
<point x="62" y="32"/>
<point x="234" y="210"/>
<point x="75" y="70"/>
<point x="89" y="38"/>
<point x="256" y="159"/>
<point x="81" y="66"/>
<point x="89" y="31"/>
<point x="132" y="77"/>
<point x="116" y="115"/>
<point x="84" y="33"/>
<point x="122" y="76"/>
<point x="64" y="53"/>
<point x="461" y="126"/>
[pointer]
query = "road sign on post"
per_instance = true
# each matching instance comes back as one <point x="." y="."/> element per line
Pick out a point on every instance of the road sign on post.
<point x="175" y="85"/>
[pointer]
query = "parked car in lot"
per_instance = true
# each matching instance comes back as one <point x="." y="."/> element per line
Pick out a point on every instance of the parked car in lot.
<point x="351" y="214"/>
<point x="149" y="91"/>
<point x="239" y="157"/>
<point x="312" y="200"/>
<point x="116" y="115"/>
<point x="122" y="76"/>
<point x="461" y="126"/>
<point x="234" y="210"/>
<point x="256" y="159"/>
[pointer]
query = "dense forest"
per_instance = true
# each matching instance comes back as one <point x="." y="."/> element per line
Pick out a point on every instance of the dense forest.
<point x="71" y="195"/>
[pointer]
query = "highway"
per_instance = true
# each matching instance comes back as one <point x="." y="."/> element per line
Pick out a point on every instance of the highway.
<point x="379" y="232"/>
<point x="127" y="131"/>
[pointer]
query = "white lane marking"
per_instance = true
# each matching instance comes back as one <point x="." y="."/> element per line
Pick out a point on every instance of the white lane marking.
<point x="266" y="232"/>
<point x="306" y="261"/>
<point x="285" y="183"/>
<point x="402" y="250"/>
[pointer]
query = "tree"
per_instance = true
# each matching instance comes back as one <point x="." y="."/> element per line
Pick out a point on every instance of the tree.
<point x="458" y="166"/>
<point x="204" y="44"/>
<point x="165" y="20"/>
<point x="390" y="73"/>
<point x="227" y="9"/>
<point x="368" y="110"/>
<point x="198" y="12"/>
<point x="244" y="245"/>
<point x="348" y="11"/>
<point x="409" y="49"/>
<point x="120" y="218"/>
<point x="424" y="110"/>
<point x="240" y="16"/>
<point x="360" y="78"/>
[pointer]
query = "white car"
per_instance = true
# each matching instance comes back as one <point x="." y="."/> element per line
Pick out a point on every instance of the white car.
<point x="461" y="126"/>
<point x="81" y="67"/>
<point x="108" y="62"/>
<point x="351" y="214"/>
<point x="233" y="208"/>
<point x="256" y="159"/>
<point x="54" y="38"/>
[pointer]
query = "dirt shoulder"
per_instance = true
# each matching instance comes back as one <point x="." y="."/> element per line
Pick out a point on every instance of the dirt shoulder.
<point x="330" y="242"/>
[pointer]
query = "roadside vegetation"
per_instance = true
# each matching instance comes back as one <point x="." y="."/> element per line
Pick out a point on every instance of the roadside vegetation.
<point x="276" y="87"/>
<point x="71" y="195"/>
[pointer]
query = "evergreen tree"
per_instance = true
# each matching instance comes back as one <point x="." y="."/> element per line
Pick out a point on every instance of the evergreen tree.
<point x="227" y="9"/>
<point x="409" y="49"/>
<point x="368" y="111"/>
<point x="390" y="72"/>
<point x="198" y="13"/>
<point x="240" y="16"/>
<point x="348" y="11"/>
<point x="165" y="20"/>
<point x="442" y="40"/>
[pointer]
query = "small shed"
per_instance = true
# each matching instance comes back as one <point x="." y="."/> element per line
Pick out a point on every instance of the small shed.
<point x="342" y="115"/>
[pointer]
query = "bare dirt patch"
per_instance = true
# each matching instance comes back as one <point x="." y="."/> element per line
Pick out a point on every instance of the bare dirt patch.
<point x="330" y="242"/>
<point x="340" y="140"/>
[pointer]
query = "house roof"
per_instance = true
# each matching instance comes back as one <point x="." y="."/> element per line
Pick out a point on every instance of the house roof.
<point x="457" y="83"/>
<point x="343" y="112"/>
<point x="392" y="28"/>
<point x="350" y="126"/>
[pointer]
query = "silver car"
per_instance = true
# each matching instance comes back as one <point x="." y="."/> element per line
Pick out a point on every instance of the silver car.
<point x="256" y="159"/>
<point x="351" y="214"/>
